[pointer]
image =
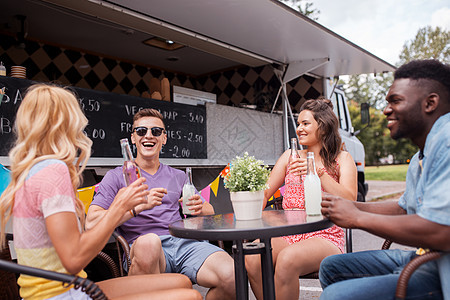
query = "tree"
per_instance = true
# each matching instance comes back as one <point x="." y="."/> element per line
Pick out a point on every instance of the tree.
<point x="307" y="9"/>
<point x="428" y="43"/>
<point x="370" y="88"/>
<point x="376" y="138"/>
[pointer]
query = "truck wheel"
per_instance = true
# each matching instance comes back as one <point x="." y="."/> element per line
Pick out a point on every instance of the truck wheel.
<point x="360" y="197"/>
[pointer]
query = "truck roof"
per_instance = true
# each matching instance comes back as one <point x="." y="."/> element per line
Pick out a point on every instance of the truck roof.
<point x="216" y="35"/>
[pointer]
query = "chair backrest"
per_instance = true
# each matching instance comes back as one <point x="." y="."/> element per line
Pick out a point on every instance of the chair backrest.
<point x="348" y="240"/>
<point x="408" y="270"/>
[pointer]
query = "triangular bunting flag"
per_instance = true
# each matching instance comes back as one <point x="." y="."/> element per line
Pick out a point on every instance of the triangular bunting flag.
<point x="215" y="185"/>
<point x="225" y="171"/>
<point x="86" y="195"/>
<point x="206" y="193"/>
<point x="5" y="178"/>
<point x="277" y="194"/>
<point x="282" y="190"/>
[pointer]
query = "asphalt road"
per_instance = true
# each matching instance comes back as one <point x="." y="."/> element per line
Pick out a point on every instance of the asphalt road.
<point x="385" y="189"/>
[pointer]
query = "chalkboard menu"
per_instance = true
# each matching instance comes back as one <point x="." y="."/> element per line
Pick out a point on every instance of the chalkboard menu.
<point x="110" y="119"/>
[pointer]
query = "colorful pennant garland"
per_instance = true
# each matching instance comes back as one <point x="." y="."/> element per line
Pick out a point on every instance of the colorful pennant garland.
<point x="5" y="178"/>
<point x="214" y="186"/>
<point x="86" y="195"/>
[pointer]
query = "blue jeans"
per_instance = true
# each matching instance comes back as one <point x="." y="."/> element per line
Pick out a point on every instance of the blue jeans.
<point x="374" y="275"/>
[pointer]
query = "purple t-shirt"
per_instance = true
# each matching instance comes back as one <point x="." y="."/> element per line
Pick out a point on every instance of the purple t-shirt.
<point x="155" y="220"/>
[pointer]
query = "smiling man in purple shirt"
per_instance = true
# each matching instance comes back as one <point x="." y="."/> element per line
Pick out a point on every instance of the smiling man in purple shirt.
<point x="153" y="249"/>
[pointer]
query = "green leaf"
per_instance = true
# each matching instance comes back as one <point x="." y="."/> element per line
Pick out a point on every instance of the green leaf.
<point x="247" y="174"/>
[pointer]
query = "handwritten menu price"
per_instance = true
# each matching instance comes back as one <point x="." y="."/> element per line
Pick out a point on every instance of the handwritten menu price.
<point x="110" y="118"/>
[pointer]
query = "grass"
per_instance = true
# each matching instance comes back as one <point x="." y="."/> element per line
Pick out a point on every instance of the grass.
<point x="386" y="172"/>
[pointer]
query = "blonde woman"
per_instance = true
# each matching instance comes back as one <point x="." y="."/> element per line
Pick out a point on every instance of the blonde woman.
<point x="47" y="160"/>
<point x="301" y="254"/>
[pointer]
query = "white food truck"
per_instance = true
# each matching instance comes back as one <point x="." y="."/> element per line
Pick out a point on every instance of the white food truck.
<point x="259" y="59"/>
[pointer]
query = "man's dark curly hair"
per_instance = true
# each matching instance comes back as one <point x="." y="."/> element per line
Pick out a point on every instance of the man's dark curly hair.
<point x="424" y="71"/>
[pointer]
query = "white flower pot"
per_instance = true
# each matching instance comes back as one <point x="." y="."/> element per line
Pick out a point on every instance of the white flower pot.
<point x="247" y="205"/>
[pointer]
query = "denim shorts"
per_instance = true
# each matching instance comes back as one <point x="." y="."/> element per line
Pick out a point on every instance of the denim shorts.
<point x="186" y="256"/>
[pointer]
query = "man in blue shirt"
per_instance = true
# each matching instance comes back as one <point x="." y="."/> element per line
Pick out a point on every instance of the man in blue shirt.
<point x="418" y="108"/>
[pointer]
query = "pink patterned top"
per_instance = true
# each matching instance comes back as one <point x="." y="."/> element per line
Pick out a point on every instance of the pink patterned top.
<point x="47" y="191"/>
<point x="294" y="198"/>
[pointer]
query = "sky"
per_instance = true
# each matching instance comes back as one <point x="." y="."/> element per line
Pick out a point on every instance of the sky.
<point x="382" y="26"/>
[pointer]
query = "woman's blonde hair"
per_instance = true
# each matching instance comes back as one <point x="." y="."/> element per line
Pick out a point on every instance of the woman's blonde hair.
<point x="49" y="125"/>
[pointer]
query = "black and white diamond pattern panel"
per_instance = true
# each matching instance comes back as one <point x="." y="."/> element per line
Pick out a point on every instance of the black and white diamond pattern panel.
<point x="257" y="86"/>
<point x="303" y="88"/>
<point x="48" y="63"/>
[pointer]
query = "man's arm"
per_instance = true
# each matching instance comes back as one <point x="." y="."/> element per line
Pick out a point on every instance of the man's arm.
<point x="388" y="220"/>
<point x="343" y="212"/>
<point x="411" y="230"/>
<point x="96" y="213"/>
<point x="381" y="207"/>
<point x="154" y="198"/>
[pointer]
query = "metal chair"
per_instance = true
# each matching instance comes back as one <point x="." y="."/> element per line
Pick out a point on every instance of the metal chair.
<point x="114" y="266"/>
<point x="122" y="250"/>
<point x="86" y="285"/>
<point x="408" y="270"/>
<point x="9" y="285"/>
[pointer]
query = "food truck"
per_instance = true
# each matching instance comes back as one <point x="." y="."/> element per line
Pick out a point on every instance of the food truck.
<point x="228" y="76"/>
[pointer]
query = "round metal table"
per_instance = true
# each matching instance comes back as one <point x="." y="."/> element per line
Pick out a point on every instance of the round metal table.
<point x="225" y="227"/>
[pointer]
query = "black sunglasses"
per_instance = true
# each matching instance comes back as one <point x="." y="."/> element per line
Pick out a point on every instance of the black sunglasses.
<point x="142" y="131"/>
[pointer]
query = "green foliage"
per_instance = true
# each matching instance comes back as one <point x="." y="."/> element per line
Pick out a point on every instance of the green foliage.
<point x="247" y="174"/>
<point x="370" y="88"/>
<point x="387" y="172"/>
<point x="428" y="43"/>
<point x="376" y="138"/>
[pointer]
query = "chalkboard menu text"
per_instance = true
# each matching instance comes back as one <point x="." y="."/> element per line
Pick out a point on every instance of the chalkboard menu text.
<point x="110" y="119"/>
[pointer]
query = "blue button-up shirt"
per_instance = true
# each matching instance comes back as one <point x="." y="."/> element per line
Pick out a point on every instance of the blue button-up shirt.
<point x="428" y="187"/>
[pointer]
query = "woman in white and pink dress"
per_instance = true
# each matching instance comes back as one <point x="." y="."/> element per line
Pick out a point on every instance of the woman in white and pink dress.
<point x="301" y="254"/>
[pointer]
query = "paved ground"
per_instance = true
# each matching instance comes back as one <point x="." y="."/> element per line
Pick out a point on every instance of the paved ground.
<point x="378" y="191"/>
<point x="383" y="189"/>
